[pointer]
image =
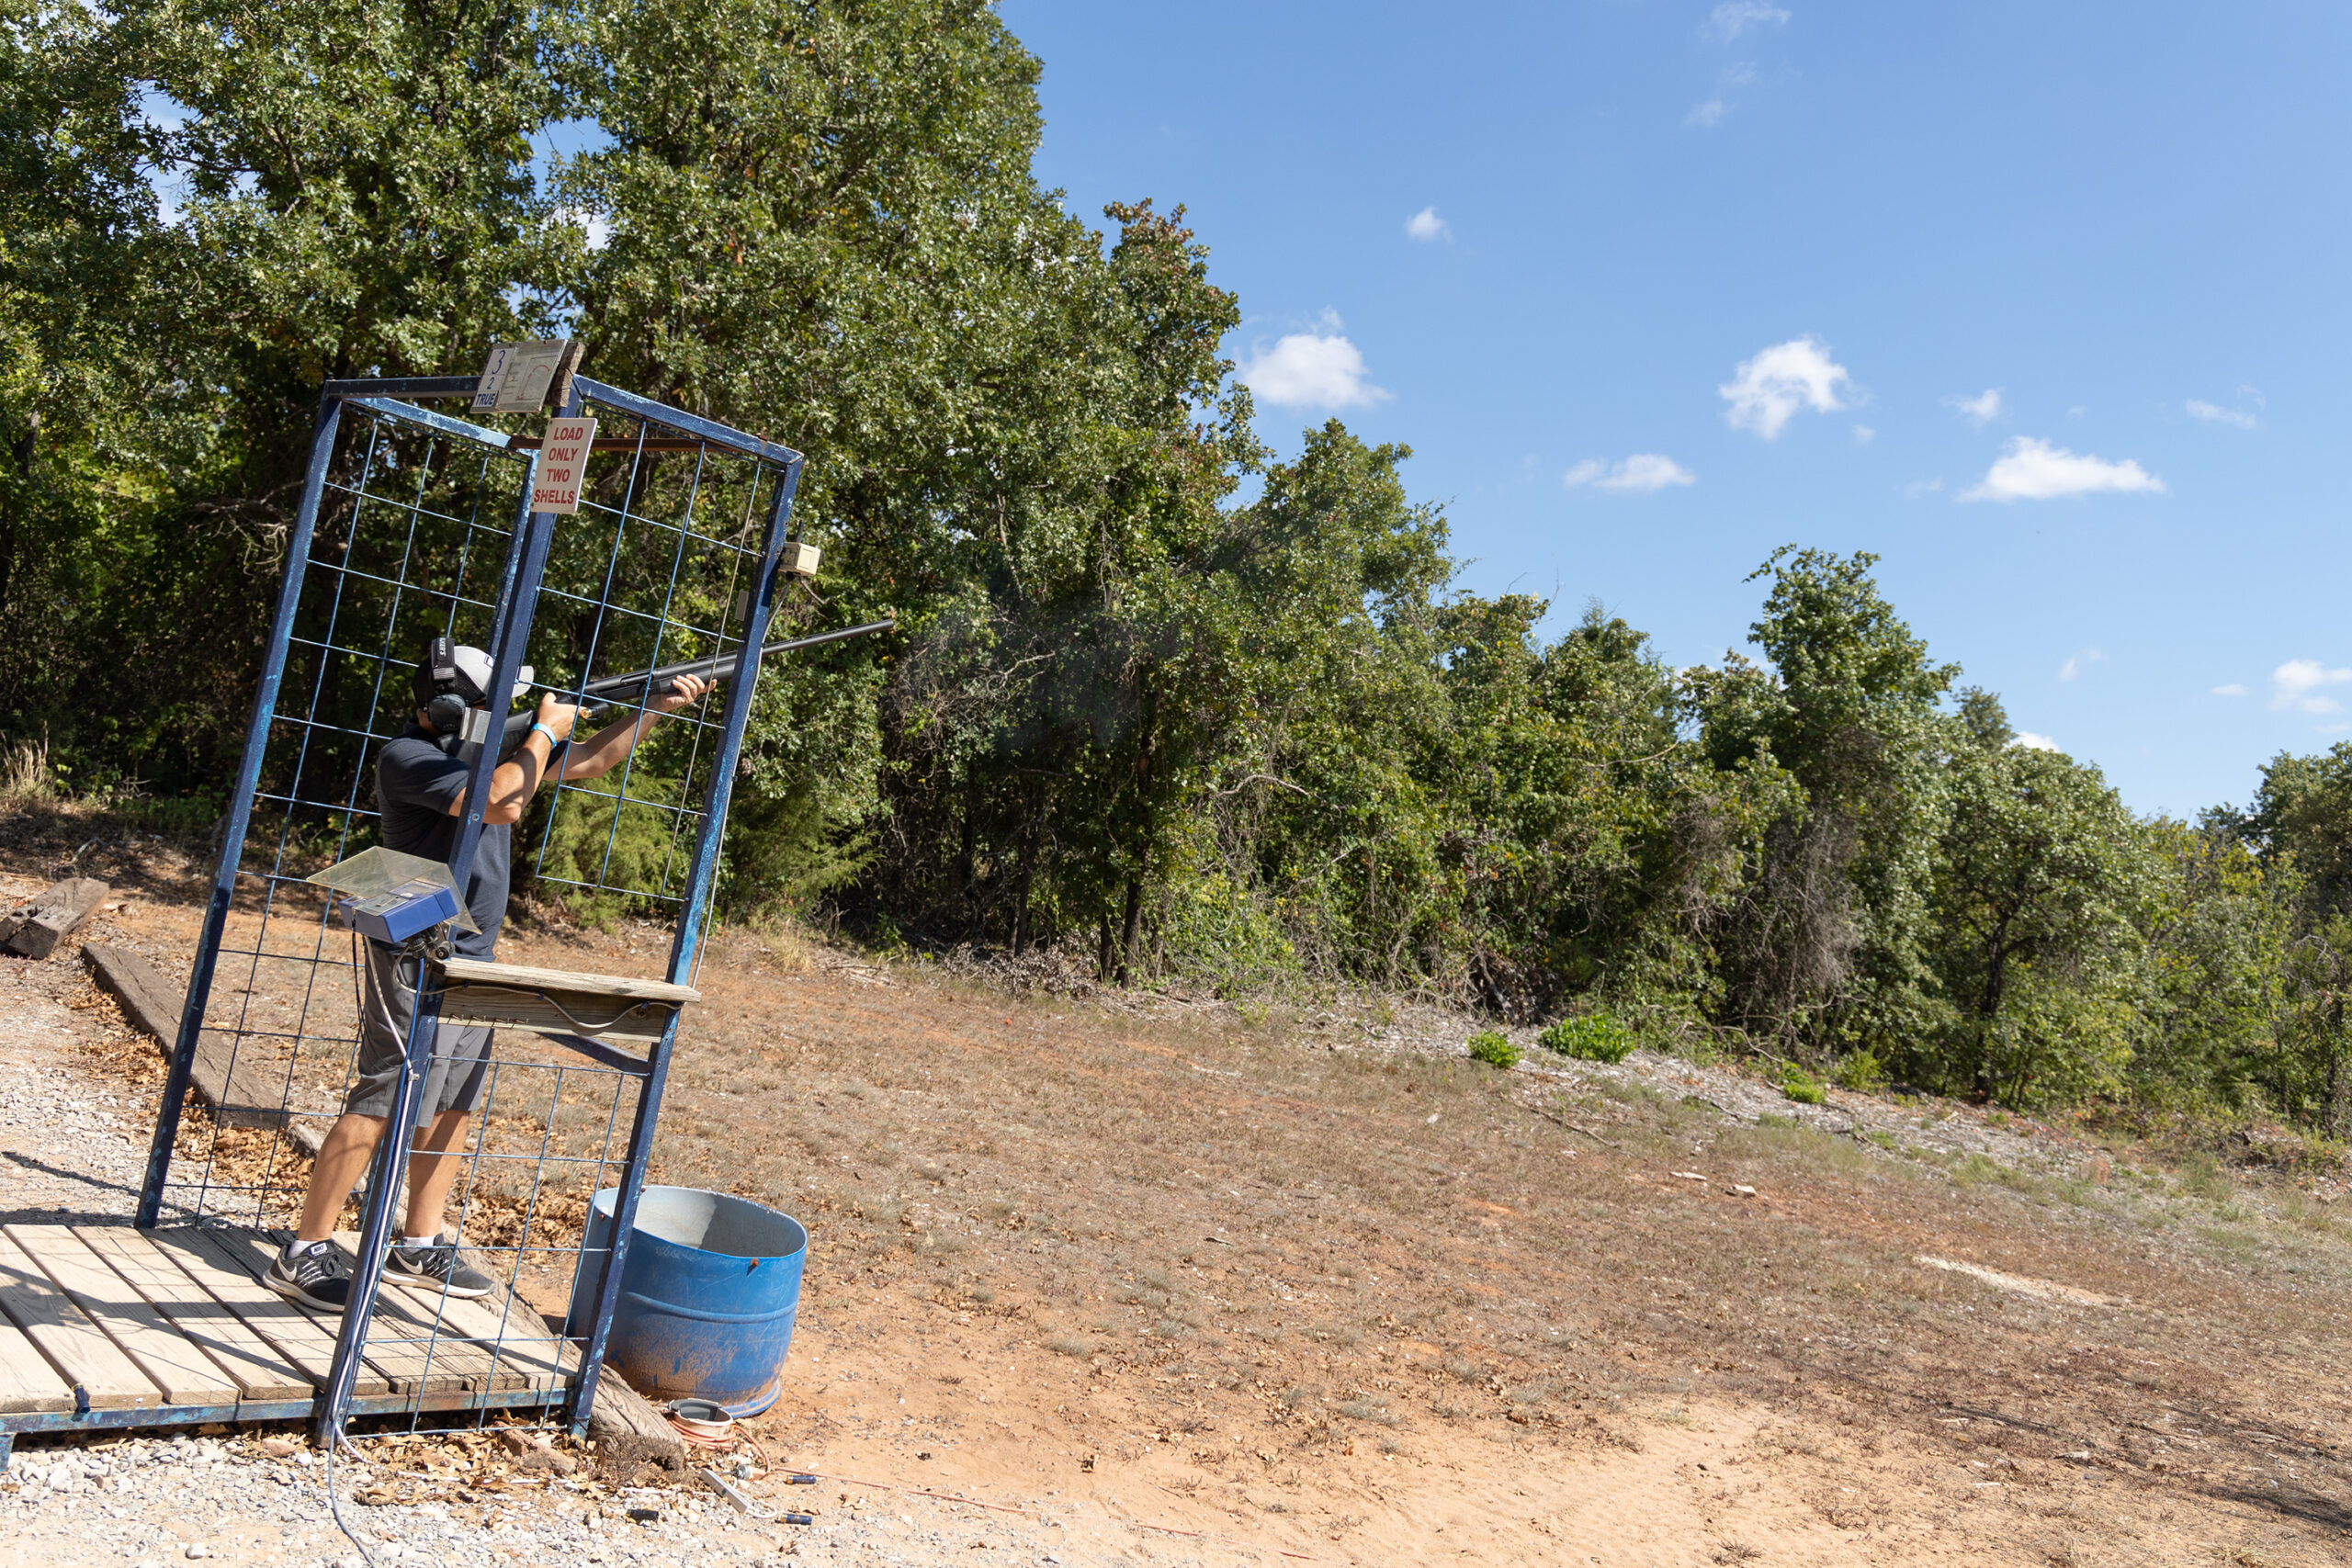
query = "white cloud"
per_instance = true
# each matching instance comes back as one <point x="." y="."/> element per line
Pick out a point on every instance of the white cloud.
<point x="1313" y="370"/>
<point x="2214" y="414"/>
<point x="2232" y="690"/>
<point x="2078" y="662"/>
<point x="1923" y="487"/>
<point x="1640" y="474"/>
<point x="2035" y="470"/>
<point x="2296" y="685"/>
<point x="1981" y="410"/>
<point x="2027" y="739"/>
<point x="1864" y="435"/>
<point x="1733" y="18"/>
<point x="1427" y="225"/>
<point x="1765" y="392"/>
<point x="1710" y="114"/>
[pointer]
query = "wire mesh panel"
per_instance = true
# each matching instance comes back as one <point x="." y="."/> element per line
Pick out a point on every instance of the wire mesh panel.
<point x="663" y="563"/>
<point x="414" y="527"/>
<point x="658" y="567"/>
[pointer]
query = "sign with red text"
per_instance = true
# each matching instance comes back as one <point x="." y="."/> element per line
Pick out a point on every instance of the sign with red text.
<point x="563" y="459"/>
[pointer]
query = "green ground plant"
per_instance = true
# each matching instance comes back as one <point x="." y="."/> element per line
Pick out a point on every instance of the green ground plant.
<point x="1493" y="1048"/>
<point x="1799" y="1085"/>
<point x="1594" y="1037"/>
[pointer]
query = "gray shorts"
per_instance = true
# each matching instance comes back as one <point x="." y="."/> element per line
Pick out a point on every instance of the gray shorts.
<point x="460" y="1069"/>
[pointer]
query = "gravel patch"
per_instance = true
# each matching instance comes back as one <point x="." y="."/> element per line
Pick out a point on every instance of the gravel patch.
<point x="1941" y="1129"/>
<point x="70" y="1145"/>
<point x="150" y="1501"/>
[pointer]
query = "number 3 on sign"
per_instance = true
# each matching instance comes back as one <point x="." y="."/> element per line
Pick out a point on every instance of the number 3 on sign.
<point x="563" y="457"/>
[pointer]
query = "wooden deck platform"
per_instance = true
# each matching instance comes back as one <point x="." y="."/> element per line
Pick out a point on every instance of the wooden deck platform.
<point x="102" y="1325"/>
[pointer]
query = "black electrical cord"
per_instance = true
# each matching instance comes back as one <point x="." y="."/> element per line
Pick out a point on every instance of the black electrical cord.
<point x="411" y="953"/>
<point x="563" y="1013"/>
<point x="336" y="1439"/>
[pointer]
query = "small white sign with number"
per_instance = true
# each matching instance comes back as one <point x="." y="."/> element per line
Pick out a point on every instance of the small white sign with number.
<point x="517" y="377"/>
<point x="563" y="459"/>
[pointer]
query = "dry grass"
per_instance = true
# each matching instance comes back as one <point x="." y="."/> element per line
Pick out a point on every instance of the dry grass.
<point x="25" y="775"/>
<point x="1389" y="1241"/>
<point x="1264" y="1223"/>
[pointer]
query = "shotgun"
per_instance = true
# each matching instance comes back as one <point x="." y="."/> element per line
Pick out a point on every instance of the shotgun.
<point x="639" y="685"/>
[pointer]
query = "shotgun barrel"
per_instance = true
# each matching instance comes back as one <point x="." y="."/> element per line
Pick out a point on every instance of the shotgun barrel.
<point x="722" y="668"/>
<point x="614" y="691"/>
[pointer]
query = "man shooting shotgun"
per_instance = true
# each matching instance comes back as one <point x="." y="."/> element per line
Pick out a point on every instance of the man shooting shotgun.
<point x="420" y="793"/>
<point x="421" y="782"/>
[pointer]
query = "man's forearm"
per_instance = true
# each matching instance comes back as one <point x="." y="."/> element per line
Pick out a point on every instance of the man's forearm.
<point x="602" y="752"/>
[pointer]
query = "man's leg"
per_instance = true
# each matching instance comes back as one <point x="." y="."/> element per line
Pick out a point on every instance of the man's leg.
<point x="309" y="1270"/>
<point x="343" y="1155"/>
<point x="420" y="1261"/>
<point x="431" y="1171"/>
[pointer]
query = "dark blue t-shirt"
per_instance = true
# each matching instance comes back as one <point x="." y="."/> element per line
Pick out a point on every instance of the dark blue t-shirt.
<point x="415" y="782"/>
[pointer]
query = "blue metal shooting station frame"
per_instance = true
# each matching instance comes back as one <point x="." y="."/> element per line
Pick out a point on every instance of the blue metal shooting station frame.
<point x="515" y="607"/>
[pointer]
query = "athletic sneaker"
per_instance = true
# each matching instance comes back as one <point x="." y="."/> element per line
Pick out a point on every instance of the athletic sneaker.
<point x="315" y="1275"/>
<point x="435" y="1269"/>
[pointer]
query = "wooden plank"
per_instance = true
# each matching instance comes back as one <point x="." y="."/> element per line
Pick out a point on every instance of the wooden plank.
<point x="240" y="1093"/>
<point x="29" y="1385"/>
<point x="640" y="1022"/>
<point x="251" y="1362"/>
<point x="559" y="1001"/>
<point x="77" y="1347"/>
<point x="523" y="1340"/>
<point x="403" y="1364"/>
<point x="148" y="999"/>
<point x="304" y="1339"/>
<point x="474" y="972"/>
<point x="40" y="927"/>
<point x="456" y="1347"/>
<point x="628" y="1431"/>
<point x="185" y="1374"/>
<point x="439" y="1348"/>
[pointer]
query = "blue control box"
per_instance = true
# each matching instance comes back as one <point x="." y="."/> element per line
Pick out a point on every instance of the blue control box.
<point x="405" y="911"/>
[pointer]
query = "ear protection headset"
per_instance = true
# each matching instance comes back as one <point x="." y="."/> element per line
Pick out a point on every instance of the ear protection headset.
<point x="442" y="688"/>
<point x="452" y="687"/>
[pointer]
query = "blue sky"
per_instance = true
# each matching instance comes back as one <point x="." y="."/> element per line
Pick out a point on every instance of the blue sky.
<point x="2046" y="305"/>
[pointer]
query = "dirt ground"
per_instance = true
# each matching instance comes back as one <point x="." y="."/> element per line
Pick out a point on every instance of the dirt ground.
<point x="1307" y="1284"/>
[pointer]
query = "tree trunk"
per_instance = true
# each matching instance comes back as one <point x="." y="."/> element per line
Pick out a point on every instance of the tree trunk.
<point x="1032" y="834"/>
<point x="1130" y="926"/>
<point x="1021" y="908"/>
<point x="2339" y="1083"/>
<point x="964" y="865"/>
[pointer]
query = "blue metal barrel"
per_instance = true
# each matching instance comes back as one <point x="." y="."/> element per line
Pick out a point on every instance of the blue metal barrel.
<point x="708" y="1294"/>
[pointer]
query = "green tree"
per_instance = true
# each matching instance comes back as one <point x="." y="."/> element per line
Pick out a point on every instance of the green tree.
<point x="2216" y="927"/>
<point x="352" y="196"/>
<point x="1825" y="950"/>
<point x="2040" y="876"/>
<point x="2300" y="826"/>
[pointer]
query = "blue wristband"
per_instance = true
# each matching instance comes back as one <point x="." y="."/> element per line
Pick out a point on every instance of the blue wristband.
<point x="542" y="730"/>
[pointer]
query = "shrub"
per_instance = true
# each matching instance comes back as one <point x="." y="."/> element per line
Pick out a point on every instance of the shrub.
<point x="608" y="843"/>
<point x="1861" y="1071"/>
<point x="1800" y="1085"/>
<point x="1493" y="1048"/>
<point x="1595" y="1037"/>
